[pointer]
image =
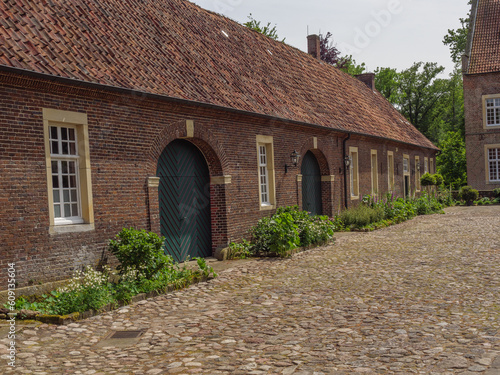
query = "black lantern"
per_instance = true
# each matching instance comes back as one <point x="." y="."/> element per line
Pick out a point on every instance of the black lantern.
<point x="347" y="161"/>
<point x="294" y="158"/>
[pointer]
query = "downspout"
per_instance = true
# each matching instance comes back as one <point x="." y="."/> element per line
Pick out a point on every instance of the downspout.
<point x="345" y="168"/>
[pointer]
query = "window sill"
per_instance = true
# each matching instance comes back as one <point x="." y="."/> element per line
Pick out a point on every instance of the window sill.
<point x="267" y="207"/>
<point x="73" y="228"/>
<point x="354" y="197"/>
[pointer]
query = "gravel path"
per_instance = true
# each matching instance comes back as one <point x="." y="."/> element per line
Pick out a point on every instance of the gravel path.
<point x="422" y="297"/>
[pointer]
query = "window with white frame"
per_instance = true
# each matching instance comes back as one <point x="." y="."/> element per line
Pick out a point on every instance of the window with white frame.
<point x="65" y="179"/>
<point x="426" y="165"/>
<point x="354" y="172"/>
<point x="494" y="164"/>
<point x="265" y="158"/>
<point x="493" y="112"/>
<point x="264" y="176"/>
<point x="69" y="186"/>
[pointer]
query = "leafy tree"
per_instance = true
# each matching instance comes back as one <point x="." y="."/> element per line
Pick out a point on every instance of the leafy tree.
<point x="451" y="162"/>
<point x="387" y="83"/>
<point x="329" y="53"/>
<point x="352" y="68"/>
<point x="457" y="39"/>
<point x="267" y="30"/>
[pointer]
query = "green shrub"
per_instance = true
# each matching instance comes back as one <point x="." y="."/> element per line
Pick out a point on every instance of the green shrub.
<point x="240" y="250"/>
<point x="439" y="179"/>
<point x="468" y="194"/>
<point x="87" y="290"/>
<point x="361" y="216"/>
<point x="496" y="192"/>
<point x="139" y="250"/>
<point x="428" y="179"/>
<point x="288" y="229"/>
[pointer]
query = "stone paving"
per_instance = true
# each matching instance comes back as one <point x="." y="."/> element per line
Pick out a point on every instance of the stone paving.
<point x="421" y="297"/>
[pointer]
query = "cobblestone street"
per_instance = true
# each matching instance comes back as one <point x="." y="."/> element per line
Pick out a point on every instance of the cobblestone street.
<point x="422" y="297"/>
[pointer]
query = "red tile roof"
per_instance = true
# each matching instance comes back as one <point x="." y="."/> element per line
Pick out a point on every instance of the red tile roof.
<point x="485" y="49"/>
<point x="177" y="49"/>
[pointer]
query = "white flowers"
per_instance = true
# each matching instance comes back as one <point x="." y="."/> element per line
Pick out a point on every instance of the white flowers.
<point x="88" y="279"/>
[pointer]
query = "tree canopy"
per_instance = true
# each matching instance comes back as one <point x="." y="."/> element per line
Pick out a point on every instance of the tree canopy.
<point x="456" y="39"/>
<point x="267" y="30"/>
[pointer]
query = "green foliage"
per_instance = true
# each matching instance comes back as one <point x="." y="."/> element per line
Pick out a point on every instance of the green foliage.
<point x="439" y="179"/>
<point x="428" y="179"/>
<point x="373" y="213"/>
<point x="468" y="194"/>
<point x="267" y="30"/>
<point x="496" y="192"/>
<point x="351" y="67"/>
<point x="483" y="201"/>
<point x="361" y="216"/>
<point x="451" y="162"/>
<point x="139" y="250"/>
<point x="288" y="229"/>
<point x="240" y="250"/>
<point x="205" y="269"/>
<point x="87" y="290"/>
<point x="457" y="39"/>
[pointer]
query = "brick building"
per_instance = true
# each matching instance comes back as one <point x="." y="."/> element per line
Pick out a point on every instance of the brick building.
<point x="166" y="117"/>
<point x="481" y="69"/>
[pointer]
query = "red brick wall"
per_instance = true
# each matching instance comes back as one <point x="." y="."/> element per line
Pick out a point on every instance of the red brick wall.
<point x="127" y="134"/>
<point x="475" y="86"/>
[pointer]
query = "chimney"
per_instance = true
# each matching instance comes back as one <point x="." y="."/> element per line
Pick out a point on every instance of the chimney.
<point x="313" y="46"/>
<point x="368" y="79"/>
<point x="465" y="64"/>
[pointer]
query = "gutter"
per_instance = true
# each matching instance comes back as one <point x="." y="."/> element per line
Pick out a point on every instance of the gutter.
<point x="345" y="168"/>
<point x="145" y="94"/>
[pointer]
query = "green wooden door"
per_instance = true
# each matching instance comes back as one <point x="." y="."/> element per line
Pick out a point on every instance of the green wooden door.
<point x="184" y="197"/>
<point x="311" y="185"/>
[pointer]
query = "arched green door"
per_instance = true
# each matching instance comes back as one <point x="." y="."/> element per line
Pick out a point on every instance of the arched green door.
<point x="311" y="185"/>
<point x="184" y="198"/>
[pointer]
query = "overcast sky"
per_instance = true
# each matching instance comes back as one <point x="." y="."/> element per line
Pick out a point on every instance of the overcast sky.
<point x="385" y="33"/>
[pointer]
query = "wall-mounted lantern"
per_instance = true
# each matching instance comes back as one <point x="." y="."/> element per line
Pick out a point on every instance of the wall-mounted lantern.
<point x="294" y="158"/>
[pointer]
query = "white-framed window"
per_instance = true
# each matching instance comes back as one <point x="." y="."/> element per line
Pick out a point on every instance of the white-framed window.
<point x="374" y="172"/>
<point x="390" y="170"/>
<point x="426" y="165"/>
<point x="265" y="163"/>
<point x="69" y="186"/>
<point x="264" y="177"/>
<point x="494" y="164"/>
<point x="406" y="165"/>
<point x="354" y="172"/>
<point x="65" y="175"/>
<point x="492" y="112"/>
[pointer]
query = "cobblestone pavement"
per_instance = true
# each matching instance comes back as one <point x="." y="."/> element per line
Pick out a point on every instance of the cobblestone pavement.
<point x="417" y="298"/>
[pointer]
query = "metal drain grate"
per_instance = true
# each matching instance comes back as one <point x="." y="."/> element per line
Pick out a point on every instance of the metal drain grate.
<point x="126" y="334"/>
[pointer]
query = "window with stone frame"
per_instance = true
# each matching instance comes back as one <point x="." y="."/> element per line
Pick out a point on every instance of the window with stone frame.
<point x="65" y="180"/>
<point x="494" y="164"/>
<point x="493" y="112"/>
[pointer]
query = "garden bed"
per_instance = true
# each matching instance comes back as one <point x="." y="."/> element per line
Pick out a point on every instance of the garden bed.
<point x="6" y="313"/>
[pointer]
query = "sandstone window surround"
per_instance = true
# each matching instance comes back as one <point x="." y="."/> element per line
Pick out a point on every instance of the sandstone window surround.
<point x="390" y="169"/>
<point x="374" y="168"/>
<point x="69" y="185"/>
<point x="265" y="162"/>
<point x="491" y="111"/>
<point x="417" y="173"/>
